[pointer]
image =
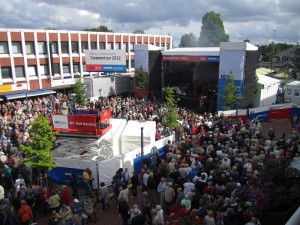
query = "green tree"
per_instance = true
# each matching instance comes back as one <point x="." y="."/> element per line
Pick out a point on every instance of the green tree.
<point x="80" y="97"/>
<point x="267" y="50"/>
<point x="256" y="85"/>
<point x="230" y="97"/>
<point x="141" y="79"/>
<point x="38" y="152"/>
<point x="101" y="28"/>
<point x="170" y="109"/>
<point x="139" y="31"/>
<point x="188" y="40"/>
<point x="212" y="30"/>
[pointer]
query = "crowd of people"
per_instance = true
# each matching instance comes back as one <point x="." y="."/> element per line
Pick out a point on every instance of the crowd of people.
<point x="212" y="156"/>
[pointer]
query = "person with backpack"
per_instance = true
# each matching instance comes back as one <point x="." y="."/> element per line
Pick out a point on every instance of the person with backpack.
<point x="24" y="213"/>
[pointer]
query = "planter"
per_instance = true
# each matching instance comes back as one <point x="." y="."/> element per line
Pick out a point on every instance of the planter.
<point x="278" y="218"/>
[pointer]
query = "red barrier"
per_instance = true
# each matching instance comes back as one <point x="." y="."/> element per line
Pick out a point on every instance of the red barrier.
<point x="277" y="114"/>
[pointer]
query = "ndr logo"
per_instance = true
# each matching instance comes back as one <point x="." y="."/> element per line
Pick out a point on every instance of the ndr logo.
<point x="224" y="76"/>
<point x="57" y="122"/>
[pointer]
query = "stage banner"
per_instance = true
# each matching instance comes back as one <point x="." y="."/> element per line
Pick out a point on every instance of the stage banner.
<point x="79" y="124"/>
<point x="260" y="113"/>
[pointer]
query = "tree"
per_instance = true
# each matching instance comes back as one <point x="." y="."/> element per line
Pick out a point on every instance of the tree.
<point x="212" y="30"/>
<point x="231" y="98"/>
<point x="188" y="40"/>
<point x="141" y="79"/>
<point x="80" y="97"/>
<point x="170" y="109"/>
<point x="38" y="152"/>
<point x="101" y="28"/>
<point x="139" y="31"/>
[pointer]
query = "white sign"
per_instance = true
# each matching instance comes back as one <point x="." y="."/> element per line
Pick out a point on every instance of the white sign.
<point x="60" y="121"/>
<point x="105" y="57"/>
<point x="55" y="83"/>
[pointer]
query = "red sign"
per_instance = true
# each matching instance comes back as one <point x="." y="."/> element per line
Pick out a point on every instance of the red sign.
<point x="94" y="67"/>
<point x="82" y="123"/>
<point x="184" y="58"/>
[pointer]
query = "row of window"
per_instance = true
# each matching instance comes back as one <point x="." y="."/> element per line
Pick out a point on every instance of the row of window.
<point x="64" y="45"/>
<point x="289" y="91"/>
<point x="44" y="70"/>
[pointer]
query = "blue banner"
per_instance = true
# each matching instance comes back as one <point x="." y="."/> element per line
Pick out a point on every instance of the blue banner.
<point x="62" y="175"/>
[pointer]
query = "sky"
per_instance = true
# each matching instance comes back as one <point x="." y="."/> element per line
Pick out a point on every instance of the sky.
<point x="260" y="21"/>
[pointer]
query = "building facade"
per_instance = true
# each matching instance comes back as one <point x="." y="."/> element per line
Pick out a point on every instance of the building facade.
<point x="33" y="60"/>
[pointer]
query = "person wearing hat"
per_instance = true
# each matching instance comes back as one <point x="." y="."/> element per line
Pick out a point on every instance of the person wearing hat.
<point x="78" y="209"/>
<point x="54" y="201"/>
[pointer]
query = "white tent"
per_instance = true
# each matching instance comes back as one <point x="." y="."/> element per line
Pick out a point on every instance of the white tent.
<point x="131" y="136"/>
<point x="267" y="93"/>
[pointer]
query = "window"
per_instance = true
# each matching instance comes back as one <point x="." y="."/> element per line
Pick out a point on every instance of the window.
<point x="42" y="48"/>
<point x="83" y="67"/>
<point x="31" y="71"/>
<point x="117" y="46"/>
<point x="125" y="47"/>
<point x="19" y="71"/>
<point x="74" y="46"/>
<point x="102" y="45"/>
<point x="44" y="69"/>
<point x="76" y="68"/>
<point x="131" y="47"/>
<point x="53" y="47"/>
<point x="93" y="45"/>
<point x="297" y="92"/>
<point x="6" y="72"/>
<point x="56" y="69"/>
<point x="132" y="63"/>
<point x="64" y="47"/>
<point x="29" y="45"/>
<point x="110" y="46"/>
<point x="66" y="68"/>
<point x="84" y="46"/>
<point x="16" y="47"/>
<point x="288" y="91"/>
<point x="3" y="47"/>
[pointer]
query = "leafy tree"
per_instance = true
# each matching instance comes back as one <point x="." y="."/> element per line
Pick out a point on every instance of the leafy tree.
<point x="38" y="152"/>
<point x="139" y="31"/>
<point x="101" y="28"/>
<point x="212" y="30"/>
<point x="188" y="40"/>
<point x="230" y="97"/>
<point x="80" y="97"/>
<point x="267" y="50"/>
<point x="141" y="79"/>
<point x="170" y="109"/>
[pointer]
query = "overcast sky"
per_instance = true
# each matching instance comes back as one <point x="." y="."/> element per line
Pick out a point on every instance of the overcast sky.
<point x="256" y="20"/>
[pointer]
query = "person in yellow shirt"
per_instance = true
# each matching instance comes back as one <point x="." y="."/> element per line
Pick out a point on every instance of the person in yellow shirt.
<point x="86" y="176"/>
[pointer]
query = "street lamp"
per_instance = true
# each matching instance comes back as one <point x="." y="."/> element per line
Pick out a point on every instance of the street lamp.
<point x="142" y="124"/>
<point x="27" y="107"/>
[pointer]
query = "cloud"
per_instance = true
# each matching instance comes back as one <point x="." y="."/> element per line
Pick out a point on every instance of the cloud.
<point x="244" y="19"/>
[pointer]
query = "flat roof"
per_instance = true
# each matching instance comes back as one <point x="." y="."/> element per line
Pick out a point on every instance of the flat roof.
<point x="197" y="51"/>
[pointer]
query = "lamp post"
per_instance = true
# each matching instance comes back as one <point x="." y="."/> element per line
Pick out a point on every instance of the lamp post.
<point x="274" y="30"/>
<point x="27" y="107"/>
<point x="142" y="145"/>
<point x="142" y="124"/>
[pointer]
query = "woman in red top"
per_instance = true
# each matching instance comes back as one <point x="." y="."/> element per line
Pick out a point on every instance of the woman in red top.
<point x="44" y="196"/>
<point x="25" y="213"/>
<point x="65" y="196"/>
